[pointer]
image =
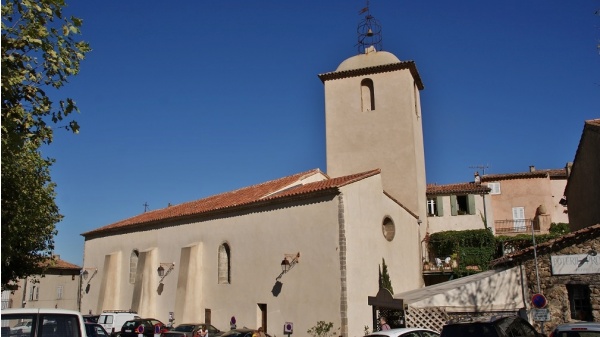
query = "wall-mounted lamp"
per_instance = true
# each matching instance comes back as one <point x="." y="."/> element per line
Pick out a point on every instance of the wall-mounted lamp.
<point x="164" y="269"/>
<point x="288" y="262"/>
<point x="86" y="273"/>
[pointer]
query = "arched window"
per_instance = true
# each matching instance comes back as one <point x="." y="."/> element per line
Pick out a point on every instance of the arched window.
<point x="133" y="262"/>
<point x="367" y="95"/>
<point x="224" y="264"/>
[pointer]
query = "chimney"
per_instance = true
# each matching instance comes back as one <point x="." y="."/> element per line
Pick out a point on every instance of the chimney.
<point x="568" y="168"/>
<point x="531" y="168"/>
<point x="477" y="178"/>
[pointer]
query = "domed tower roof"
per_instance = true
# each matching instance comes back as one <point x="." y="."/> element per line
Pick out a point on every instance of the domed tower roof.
<point x="371" y="58"/>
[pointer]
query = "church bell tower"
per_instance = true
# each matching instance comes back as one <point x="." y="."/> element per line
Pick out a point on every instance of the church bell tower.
<point x="373" y="119"/>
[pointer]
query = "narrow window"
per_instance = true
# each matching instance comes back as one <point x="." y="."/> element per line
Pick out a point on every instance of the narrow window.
<point x="495" y="188"/>
<point x="434" y="206"/>
<point x="224" y="264"/>
<point x="519" y="224"/>
<point x="431" y="207"/>
<point x="133" y="262"/>
<point x="59" y="292"/>
<point x="579" y="302"/>
<point x="367" y="95"/>
<point x="462" y="204"/>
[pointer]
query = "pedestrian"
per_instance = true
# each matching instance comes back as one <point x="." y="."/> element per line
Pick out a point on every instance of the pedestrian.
<point x="261" y="333"/>
<point x="383" y="323"/>
<point x="255" y="333"/>
<point x="203" y="332"/>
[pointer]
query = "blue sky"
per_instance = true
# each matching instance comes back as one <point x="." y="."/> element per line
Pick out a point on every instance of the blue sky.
<point x="188" y="99"/>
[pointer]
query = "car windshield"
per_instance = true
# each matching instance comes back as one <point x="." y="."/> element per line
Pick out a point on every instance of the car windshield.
<point x="184" y="328"/>
<point x="131" y="324"/>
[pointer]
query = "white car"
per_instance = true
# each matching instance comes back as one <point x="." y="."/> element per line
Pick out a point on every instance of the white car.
<point x="578" y="329"/>
<point x="405" y="332"/>
<point x="43" y="322"/>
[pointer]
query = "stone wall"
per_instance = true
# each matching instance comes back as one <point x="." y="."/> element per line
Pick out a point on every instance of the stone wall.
<point x="554" y="287"/>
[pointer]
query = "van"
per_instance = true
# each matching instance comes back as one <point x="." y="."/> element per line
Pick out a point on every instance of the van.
<point x="112" y="320"/>
<point x="41" y="322"/>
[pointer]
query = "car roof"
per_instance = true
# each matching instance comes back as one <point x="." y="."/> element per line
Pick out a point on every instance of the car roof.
<point x="480" y="319"/>
<point x="395" y="332"/>
<point x="39" y="310"/>
<point x="593" y="326"/>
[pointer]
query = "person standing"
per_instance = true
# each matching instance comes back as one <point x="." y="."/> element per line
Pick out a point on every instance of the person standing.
<point x="383" y="323"/>
<point x="203" y="332"/>
<point x="261" y="332"/>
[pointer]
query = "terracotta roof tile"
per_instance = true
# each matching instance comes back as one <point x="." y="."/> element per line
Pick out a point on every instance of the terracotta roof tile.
<point x="553" y="173"/>
<point x="271" y="191"/>
<point x="60" y="264"/>
<point x="469" y="188"/>
<point x="551" y="245"/>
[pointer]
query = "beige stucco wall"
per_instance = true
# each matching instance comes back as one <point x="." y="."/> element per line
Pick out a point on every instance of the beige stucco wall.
<point x="449" y="222"/>
<point x="48" y="286"/>
<point x="332" y="234"/>
<point x="365" y="209"/>
<point x="389" y="137"/>
<point x="555" y="209"/>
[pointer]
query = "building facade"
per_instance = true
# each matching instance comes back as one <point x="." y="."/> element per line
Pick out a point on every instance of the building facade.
<point x="583" y="189"/>
<point x="59" y="287"/>
<point x="221" y="257"/>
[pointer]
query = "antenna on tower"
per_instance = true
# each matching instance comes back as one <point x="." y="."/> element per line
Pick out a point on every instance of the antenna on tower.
<point x="369" y="32"/>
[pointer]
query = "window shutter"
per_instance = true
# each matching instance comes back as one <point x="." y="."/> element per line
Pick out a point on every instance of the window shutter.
<point x="453" y="205"/>
<point x="439" y="206"/>
<point x="471" y="200"/>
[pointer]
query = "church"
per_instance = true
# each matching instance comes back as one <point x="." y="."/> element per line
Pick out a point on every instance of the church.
<point x="296" y="250"/>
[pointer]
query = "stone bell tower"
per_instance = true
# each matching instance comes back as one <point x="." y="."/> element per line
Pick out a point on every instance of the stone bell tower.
<point x="373" y="119"/>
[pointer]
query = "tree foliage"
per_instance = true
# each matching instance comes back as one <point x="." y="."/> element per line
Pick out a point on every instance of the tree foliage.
<point x="322" y="329"/>
<point x="384" y="277"/>
<point x="39" y="53"/>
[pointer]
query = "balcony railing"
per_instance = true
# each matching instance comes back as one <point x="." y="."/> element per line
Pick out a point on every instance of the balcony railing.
<point x="516" y="226"/>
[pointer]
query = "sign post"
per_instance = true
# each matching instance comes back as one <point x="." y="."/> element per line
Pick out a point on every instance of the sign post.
<point x="157" y="330"/>
<point x="540" y="313"/>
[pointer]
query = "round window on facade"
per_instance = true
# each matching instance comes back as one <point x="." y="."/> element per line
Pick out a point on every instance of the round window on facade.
<point x="388" y="228"/>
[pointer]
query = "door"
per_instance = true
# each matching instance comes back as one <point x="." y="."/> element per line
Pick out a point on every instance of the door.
<point x="519" y="219"/>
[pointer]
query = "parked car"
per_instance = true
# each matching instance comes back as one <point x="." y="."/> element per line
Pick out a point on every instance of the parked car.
<point x="490" y="326"/>
<point x="405" y="332"/>
<point x="243" y="332"/>
<point x="113" y="320"/>
<point x="44" y="322"/>
<point x="132" y="327"/>
<point x="95" y="330"/>
<point x="189" y="329"/>
<point x="578" y="329"/>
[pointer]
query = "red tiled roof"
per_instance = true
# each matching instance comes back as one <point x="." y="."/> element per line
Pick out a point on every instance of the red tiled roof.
<point x="60" y="264"/>
<point x="554" y="173"/>
<point x="551" y="245"/>
<point x="469" y="188"/>
<point x="268" y="192"/>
